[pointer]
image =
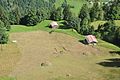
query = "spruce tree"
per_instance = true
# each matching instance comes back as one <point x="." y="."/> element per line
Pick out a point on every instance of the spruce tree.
<point x="84" y="12"/>
<point x="67" y="14"/>
<point x="3" y="34"/>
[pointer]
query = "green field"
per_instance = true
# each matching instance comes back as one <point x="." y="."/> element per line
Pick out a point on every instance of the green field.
<point x="7" y="78"/>
<point x="44" y="26"/>
<point x="97" y="23"/>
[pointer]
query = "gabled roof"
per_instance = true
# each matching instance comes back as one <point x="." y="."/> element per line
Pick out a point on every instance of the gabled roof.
<point x="91" y="38"/>
<point x="53" y="23"/>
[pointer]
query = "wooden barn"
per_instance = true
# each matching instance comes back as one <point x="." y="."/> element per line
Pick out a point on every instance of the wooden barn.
<point x="90" y="39"/>
<point x="54" y="25"/>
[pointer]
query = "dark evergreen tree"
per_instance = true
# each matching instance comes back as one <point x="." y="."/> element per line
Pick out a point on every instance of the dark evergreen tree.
<point x="57" y="14"/>
<point x="16" y="10"/>
<point x="73" y="23"/>
<point x="84" y="12"/>
<point x="4" y="18"/>
<point x="85" y="28"/>
<point x="96" y="12"/>
<point x="30" y="19"/>
<point x="108" y="31"/>
<point x="117" y="37"/>
<point x="112" y="10"/>
<point x="67" y="14"/>
<point x="3" y="34"/>
<point x="64" y="4"/>
<point x="84" y="16"/>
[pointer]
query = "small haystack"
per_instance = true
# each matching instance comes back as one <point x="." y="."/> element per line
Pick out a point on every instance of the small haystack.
<point x="14" y="41"/>
<point x="47" y="63"/>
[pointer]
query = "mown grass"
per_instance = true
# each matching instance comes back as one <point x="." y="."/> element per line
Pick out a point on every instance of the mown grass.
<point x="108" y="45"/>
<point x="44" y="26"/>
<point x="41" y="26"/>
<point x="7" y="78"/>
<point x="91" y="71"/>
<point x="79" y="67"/>
<point x="85" y="68"/>
<point x="9" y="56"/>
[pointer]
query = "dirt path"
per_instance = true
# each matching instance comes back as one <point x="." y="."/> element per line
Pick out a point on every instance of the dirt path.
<point x="40" y="46"/>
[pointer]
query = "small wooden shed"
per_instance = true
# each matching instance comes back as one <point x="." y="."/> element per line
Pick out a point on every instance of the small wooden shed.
<point x="91" y="39"/>
<point x="54" y="25"/>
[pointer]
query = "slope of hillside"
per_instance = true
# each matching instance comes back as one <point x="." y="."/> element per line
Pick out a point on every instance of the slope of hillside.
<point x="9" y="56"/>
<point x="44" y="27"/>
<point x="40" y="54"/>
<point x="68" y="59"/>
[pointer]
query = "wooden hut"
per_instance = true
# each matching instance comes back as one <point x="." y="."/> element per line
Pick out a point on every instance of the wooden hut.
<point x="54" y="25"/>
<point x="90" y="39"/>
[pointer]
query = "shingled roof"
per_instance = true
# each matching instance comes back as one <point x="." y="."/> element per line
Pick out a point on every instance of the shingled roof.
<point x="54" y="24"/>
<point x="91" y="39"/>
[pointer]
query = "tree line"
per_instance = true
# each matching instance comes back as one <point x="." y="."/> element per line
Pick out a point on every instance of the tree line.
<point x="24" y="12"/>
<point x="31" y="12"/>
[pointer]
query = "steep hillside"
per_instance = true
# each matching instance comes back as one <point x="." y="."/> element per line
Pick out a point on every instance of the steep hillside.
<point x="65" y="58"/>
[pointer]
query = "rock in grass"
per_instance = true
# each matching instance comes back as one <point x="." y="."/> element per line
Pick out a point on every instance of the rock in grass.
<point x="68" y="75"/>
<point x="46" y="64"/>
<point x="14" y="41"/>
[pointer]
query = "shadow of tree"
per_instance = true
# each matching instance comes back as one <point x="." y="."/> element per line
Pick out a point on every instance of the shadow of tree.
<point x="63" y="25"/>
<point x="83" y="41"/>
<point x="48" y="26"/>
<point x="114" y="59"/>
<point x="115" y="52"/>
<point x="115" y="62"/>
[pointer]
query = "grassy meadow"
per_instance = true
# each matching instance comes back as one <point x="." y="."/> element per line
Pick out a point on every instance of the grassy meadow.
<point x="9" y="56"/>
<point x="79" y="62"/>
<point x="45" y="27"/>
<point x="22" y="60"/>
<point x="74" y="66"/>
